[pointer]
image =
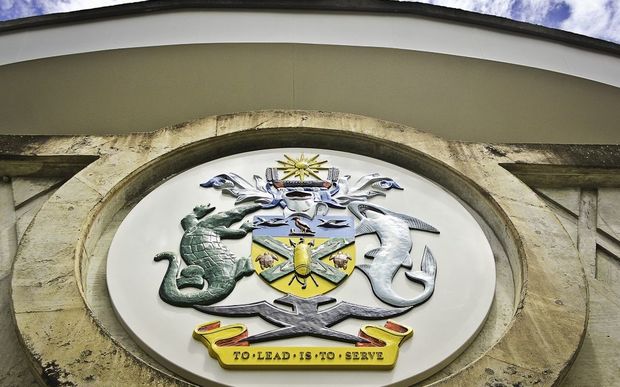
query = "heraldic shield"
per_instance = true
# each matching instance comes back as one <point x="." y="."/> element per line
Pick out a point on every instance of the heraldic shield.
<point x="302" y="256"/>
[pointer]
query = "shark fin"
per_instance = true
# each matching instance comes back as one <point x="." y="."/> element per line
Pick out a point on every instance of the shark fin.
<point x="428" y="265"/>
<point x="415" y="223"/>
<point x="407" y="262"/>
<point x="372" y="253"/>
<point x="359" y="210"/>
<point x="364" y="228"/>
<point x="428" y="268"/>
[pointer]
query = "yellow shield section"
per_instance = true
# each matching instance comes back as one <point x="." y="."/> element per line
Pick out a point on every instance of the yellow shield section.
<point x="301" y="281"/>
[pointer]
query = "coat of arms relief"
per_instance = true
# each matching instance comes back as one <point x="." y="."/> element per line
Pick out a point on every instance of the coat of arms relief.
<point x="305" y="252"/>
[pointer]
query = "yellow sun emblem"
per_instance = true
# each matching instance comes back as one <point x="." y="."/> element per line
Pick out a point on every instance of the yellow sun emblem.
<point x="301" y="167"/>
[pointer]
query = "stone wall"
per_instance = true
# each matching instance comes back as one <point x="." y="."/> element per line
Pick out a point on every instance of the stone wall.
<point x="21" y="197"/>
<point x="550" y="212"/>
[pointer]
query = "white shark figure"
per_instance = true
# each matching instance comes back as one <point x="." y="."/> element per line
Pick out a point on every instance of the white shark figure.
<point x="393" y="231"/>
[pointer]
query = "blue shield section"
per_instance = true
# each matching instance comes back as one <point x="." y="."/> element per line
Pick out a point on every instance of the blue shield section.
<point x="319" y="227"/>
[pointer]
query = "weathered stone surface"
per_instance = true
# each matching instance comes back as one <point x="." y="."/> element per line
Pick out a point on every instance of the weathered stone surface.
<point x="598" y="360"/>
<point x="28" y="188"/>
<point x="491" y="372"/>
<point x="567" y="197"/>
<point x="30" y="194"/>
<point x="26" y="213"/>
<point x="15" y="369"/>
<point x="8" y="233"/>
<point x="70" y="349"/>
<point x="586" y="230"/>
<point x="608" y="273"/>
<point x="46" y="260"/>
<point x="535" y="348"/>
<point x="609" y="211"/>
<point x="590" y="216"/>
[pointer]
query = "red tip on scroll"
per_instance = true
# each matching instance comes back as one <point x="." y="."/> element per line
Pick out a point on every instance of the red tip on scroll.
<point x="391" y="325"/>
<point x="208" y="327"/>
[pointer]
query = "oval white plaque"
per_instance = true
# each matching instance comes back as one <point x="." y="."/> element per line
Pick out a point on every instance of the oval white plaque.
<point x="305" y="210"/>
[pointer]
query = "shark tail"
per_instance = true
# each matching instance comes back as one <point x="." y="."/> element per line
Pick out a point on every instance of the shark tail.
<point x="426" y="276"/>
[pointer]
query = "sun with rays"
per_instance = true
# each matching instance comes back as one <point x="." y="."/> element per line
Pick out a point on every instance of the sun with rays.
<point x="301" y="167"/>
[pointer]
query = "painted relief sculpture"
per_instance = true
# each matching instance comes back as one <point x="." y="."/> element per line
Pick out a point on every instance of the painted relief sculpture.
<point x="304" y="248"/>
<point x="206" y="257"/>
<point x="305" y="317"/>
<point x="303" y="253"/>
<point x="302" y="195"/>
<point x="393" y="231"/>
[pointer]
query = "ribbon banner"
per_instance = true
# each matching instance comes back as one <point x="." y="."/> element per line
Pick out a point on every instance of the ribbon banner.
<point x="228" y="346"/>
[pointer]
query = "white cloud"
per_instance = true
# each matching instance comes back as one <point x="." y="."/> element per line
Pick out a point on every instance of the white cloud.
<point x="14" y="9"/>
<point x="534" y="11"/>
<point x="74" y="5"/>
<point x="497" y="8"/>
<point x="596" y="18"/>
<point x="526" y="9"/>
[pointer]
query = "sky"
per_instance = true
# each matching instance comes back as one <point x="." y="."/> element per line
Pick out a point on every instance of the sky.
<point x="596" y="18"/>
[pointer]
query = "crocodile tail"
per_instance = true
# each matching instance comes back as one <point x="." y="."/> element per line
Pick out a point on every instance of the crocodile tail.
<point x="170" y="293"/>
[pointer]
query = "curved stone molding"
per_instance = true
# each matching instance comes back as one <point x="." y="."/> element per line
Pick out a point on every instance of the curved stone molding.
<point x="67" y="344"/>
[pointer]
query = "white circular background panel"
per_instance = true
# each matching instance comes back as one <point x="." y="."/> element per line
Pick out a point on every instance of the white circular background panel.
<point x="443" y="326"/>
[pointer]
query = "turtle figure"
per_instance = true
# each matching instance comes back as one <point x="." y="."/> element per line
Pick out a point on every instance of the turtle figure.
<point x="340" y="260"/>
<point x="266" y="260"/>
<point x="206" y="257"/>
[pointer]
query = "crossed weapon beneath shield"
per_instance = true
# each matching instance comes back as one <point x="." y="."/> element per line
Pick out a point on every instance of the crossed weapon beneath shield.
<point x="305" y="318"/>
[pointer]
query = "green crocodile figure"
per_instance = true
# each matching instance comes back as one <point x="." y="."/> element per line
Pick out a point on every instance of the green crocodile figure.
<point x="206" y="257"/>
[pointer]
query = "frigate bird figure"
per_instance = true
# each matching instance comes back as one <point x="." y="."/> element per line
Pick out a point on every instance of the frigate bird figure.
<point x="333" y="223"/>
<point x="260" y="222"/>
<point x="305" y="318"/>
<point x="304" y="228"/>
